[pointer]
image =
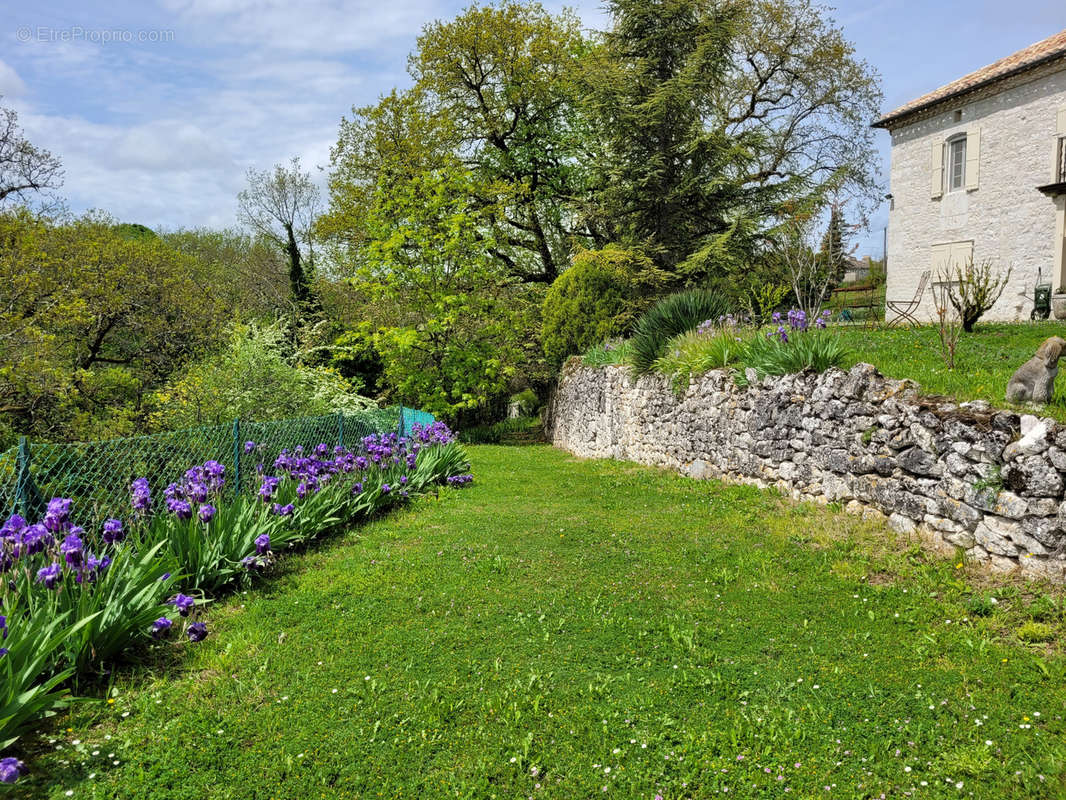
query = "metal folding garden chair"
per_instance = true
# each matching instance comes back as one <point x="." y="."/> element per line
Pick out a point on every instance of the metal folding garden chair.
<point x="904" y="309"/>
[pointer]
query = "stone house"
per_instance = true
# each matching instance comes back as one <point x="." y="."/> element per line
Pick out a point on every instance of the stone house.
<point x="979" y="171"/>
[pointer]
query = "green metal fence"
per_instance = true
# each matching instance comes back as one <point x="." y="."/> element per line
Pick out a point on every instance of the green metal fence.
<point x="97" y="475"/>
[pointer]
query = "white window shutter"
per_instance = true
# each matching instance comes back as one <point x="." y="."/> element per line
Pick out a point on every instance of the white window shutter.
<point x="1062" y="122"/>
<point x="961" y="254"/>
<point x="937" y="170"/>
<point x="973" y="158"/>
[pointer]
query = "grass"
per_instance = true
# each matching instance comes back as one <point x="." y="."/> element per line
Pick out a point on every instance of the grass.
<point x="985" y="358"/>
<point x="577" y="629"/>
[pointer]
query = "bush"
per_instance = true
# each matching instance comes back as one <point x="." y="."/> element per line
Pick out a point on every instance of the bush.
<point x="251" y="378"/>
<point x="671" y="316"/>
<point x="599" y="297"/>
<point x="611" y="352"/>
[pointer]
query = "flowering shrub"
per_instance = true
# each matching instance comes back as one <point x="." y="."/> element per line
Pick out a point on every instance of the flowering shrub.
<point x="73" y="601"/>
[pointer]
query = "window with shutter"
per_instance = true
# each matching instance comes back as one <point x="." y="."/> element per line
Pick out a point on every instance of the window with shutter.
<point x="956" y="169"/>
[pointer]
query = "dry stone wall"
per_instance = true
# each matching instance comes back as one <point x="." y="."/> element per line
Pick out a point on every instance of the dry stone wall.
<point x="960" y="475"/>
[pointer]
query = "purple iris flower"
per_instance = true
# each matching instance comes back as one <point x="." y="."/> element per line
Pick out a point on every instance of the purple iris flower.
<point x="161" y="627"/>
<point x="97" y="565"/>
<point x="357" y="488"/>
<point x="183" y="603"/>
<point x="262" y="544"/>
<point x="283" y="510"/>
<point x="385" y="488"/>
<point x="197" y="632"/>
<point x="269" y="486"/>
<point x="249" y="447"/>
<point x="57" y="517"/>
<point x="15" y="523"/>
<point x="73" y="549"/>
<point x="140" y="496"/>
<point x="11" y="769"/>
<point x="49" y="575"/>
<point x="35" y="538"/>
<point x="180" y="508"/>
<point x="206" y="513"/>
<point x="113" y="532"/>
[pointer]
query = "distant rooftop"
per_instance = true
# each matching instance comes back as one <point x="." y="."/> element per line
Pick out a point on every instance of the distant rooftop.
<point x="1050" y="49"/>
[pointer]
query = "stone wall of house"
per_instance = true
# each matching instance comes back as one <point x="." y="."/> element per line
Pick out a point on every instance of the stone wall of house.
<point x="958" y="475"/>
<point x="1008" y="220"/>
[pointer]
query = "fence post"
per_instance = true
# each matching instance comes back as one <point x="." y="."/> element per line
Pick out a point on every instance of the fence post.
<point x="400" y="433"/>
<point x="340" y="429"/>
<point x="22" y="478"/>
<point x="236" y="457"/>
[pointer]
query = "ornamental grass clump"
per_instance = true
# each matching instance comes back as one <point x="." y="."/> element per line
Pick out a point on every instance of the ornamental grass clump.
<point x="792" y="344"/>
<point x="75" y="601"/>
<point x="668" y="318"/>
<point x="696" y="352"/>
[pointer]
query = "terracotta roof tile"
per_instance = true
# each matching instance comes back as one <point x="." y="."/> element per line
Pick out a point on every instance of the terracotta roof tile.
<point x="1050" y="48"/>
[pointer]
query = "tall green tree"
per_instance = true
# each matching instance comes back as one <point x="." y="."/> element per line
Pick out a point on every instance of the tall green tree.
<point x="495" y="90"/>
<point x="452" y="319"/>
<point x="91" y="320"/>
<point x="721" y="117"/>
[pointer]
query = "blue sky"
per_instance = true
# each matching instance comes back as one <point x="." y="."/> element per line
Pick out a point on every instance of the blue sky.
<point x="161" y="131"/>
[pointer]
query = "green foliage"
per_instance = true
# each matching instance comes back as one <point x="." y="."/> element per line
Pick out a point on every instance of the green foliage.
<point x="598" y="298"/>
<point x="354" y="356"/>
<point x="33" y="645"/>
<point x="1035" y="632"/>
<point x="527" y="402"/>
<point x="252" y="379"/>
<point x="92" y="321"/>
<point x="114" y="611"/>
<point x="615" y="351"/>
<point x="809" y="350"/>
<point x="833" y="255"/>
<point x="671" y="316"/>
<point x="714" y="117"/>
<point x="691" y="354"/>
<point x="453" y="325"/>
<point x="520" y="431"/>
<point x="980" y="606"/>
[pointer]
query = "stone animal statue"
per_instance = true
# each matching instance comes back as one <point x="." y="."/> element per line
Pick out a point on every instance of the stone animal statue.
<point x="1035" y="379"/>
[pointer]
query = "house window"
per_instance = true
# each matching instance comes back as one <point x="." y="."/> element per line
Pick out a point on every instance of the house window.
<point x="1060" y="161"/>
<point x="956" y="173"/>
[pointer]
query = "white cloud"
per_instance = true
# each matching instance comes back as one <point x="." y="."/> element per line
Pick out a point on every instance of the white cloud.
<point x="11" y="85"/>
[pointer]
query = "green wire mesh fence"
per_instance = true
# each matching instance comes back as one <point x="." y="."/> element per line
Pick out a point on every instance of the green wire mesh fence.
<point x="97" y="475"/>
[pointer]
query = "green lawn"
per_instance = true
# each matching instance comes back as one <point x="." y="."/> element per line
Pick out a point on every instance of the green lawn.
<point x="985" y="360"/>
<point x="577" y="629"/>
